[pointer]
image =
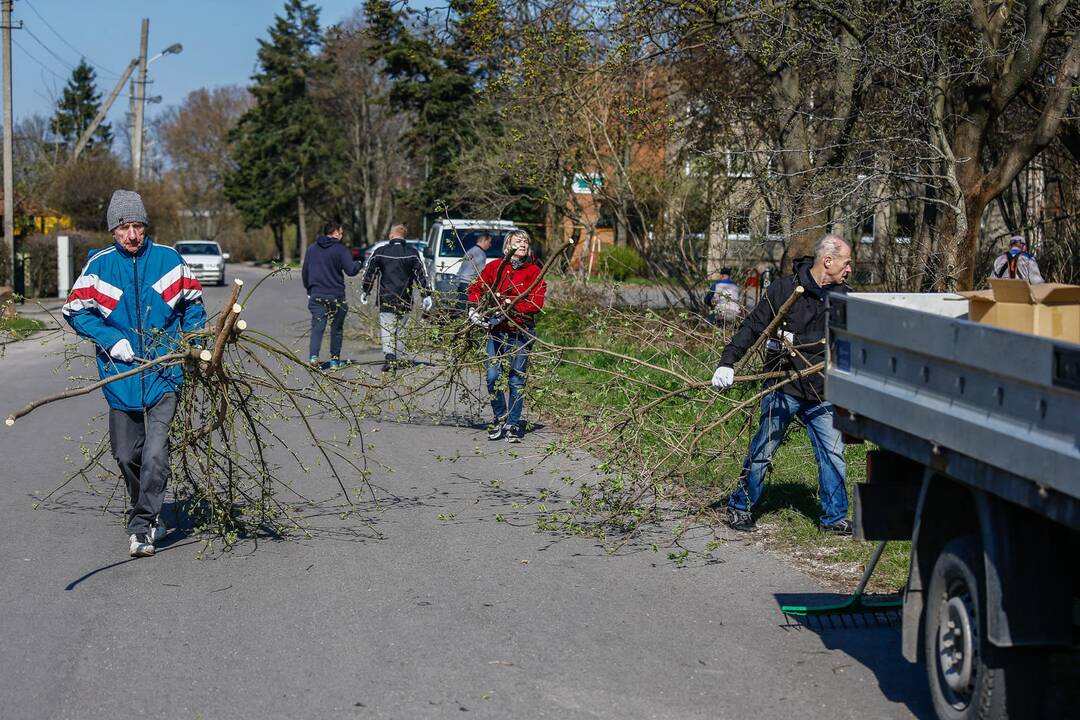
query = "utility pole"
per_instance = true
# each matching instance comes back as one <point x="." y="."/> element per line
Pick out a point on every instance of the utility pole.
<point x="140" y="96"/>
<point x="88" y="133"/>
<point x="9" y="175"/>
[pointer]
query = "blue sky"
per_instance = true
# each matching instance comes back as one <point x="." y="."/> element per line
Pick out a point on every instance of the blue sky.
<point x="220" y="39"/>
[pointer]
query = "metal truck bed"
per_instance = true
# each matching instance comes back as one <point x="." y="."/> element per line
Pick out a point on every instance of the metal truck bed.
<point x="914" y="363"/>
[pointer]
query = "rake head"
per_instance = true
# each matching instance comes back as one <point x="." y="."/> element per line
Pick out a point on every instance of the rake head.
<point x="856" y="611"/>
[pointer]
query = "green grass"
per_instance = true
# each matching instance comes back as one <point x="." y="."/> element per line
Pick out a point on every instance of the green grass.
<point x="787" y="514"/>
<point x="18" y="328"/>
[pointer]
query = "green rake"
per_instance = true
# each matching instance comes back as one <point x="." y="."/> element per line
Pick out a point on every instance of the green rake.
<point x="855" y="605"/>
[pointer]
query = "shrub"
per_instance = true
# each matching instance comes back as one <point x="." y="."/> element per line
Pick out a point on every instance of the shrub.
<point x="620" y="262"/>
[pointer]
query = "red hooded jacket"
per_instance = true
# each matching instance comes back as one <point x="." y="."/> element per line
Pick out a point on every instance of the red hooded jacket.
<point x="511" y="283"/>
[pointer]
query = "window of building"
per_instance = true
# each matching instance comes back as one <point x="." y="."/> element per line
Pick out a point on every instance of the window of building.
<point x="866" y="229"/>
<point x="774" y="223"/>
<point x="738" y="164"/>
<point x="738" y="225"/>
<point x="905" y="227"/>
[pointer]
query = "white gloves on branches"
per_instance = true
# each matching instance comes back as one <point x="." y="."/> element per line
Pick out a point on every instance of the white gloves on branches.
<point x="475" y="319"/>
<point x="788" y="336"/>
<point x="363" y="298"/>
<point x="122" y="351"/>
<point x="426" y="303"/>
<point x="723" y="378"/>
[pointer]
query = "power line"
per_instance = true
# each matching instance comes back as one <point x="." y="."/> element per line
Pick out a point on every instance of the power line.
<point x="64" y="40"/>
<point x="44" y="67"/>
<point x="48" y="49"/>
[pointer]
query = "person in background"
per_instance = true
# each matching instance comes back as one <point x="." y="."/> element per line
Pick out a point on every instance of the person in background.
<point x="511" y="328"/>
<point x="136" y="301"/>
<point x="325" y="265"/>
<point x="1016" y="263"/>
<point x="399" y="268"/>
<point x="724" y="299"/>
<point x="804" y="398"/>
<point x="472" y="265"/>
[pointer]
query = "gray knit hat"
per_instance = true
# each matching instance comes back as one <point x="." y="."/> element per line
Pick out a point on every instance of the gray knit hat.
<point x="126" y="206"/>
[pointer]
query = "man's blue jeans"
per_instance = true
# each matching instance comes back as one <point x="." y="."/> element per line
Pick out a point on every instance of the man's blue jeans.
<point x="778" y="409"/>
<point x="512" y="346"/>
<point x="322" y="310"/>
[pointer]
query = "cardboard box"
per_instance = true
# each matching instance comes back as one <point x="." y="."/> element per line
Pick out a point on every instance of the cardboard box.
<point x="1047" y="309"/>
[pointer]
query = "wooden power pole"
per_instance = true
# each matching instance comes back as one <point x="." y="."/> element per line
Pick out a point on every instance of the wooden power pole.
<point x="140" y="98"/>
<point x="9" y="175"/>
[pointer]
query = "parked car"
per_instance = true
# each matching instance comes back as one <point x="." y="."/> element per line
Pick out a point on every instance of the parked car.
<point x="205" y="259"/>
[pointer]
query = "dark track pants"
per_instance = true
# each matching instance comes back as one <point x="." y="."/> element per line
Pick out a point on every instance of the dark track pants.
<point x="140" y="444"/>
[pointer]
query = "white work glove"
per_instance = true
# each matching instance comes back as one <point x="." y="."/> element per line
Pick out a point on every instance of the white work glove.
<point x="122" y="351"/>
<point x="723" y="378"/>
<point x="426" y="303"/>
<point x="475" y="319"/>
<point x="363" y="298"/>
<point x="788" y="336"/>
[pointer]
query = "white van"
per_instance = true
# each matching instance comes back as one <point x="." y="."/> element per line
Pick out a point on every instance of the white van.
<point x="449" y="239"/>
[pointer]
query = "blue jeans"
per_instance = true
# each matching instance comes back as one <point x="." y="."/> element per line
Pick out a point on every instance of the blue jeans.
<point x="323" y="309"/>
<point x="513" y="346"/>
<point x="778" y="409"/>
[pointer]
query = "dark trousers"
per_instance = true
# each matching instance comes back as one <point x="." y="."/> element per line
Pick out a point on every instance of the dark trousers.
<point x="140" y="444"/>
<point x="461" y="302"/>
<point x="323" y="309"/>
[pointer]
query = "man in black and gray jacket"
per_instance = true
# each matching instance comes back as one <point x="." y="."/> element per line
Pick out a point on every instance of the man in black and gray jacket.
<point x="398" y="267"/>
<point x="798" y="343"/>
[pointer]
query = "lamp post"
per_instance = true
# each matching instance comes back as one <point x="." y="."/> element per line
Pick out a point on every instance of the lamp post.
<point x="140" y="97"/>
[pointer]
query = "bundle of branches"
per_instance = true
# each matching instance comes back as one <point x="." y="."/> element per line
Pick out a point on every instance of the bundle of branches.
<point x="242" y="387"/>
<point x="630" y="385"/>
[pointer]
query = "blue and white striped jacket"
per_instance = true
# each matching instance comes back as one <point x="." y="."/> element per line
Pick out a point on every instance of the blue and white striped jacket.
<point x="150" y="297"/>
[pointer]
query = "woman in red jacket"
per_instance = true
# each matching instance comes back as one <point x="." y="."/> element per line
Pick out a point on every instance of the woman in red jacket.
<point x="506" y="299"/>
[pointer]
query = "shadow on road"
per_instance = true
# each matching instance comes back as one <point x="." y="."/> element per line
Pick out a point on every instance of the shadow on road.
<point x="160" y="549"/>
<point x="871" y="640"/>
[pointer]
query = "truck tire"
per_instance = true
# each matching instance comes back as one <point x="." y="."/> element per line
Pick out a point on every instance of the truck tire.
<point x="962" y="685"/>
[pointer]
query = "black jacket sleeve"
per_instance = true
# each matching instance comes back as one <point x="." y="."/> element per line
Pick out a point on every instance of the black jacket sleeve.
<point x="373" y="268"/>
<point x="421" y="274"/>
<point x="756" y="322"/>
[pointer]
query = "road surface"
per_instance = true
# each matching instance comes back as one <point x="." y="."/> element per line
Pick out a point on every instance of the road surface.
<point x="433" y="610"/>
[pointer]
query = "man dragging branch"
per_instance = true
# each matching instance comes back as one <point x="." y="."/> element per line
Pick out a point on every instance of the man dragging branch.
<point x="135" y="301"/>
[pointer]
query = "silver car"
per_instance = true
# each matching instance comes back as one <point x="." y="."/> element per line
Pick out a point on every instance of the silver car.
<point x="205" y="259"/>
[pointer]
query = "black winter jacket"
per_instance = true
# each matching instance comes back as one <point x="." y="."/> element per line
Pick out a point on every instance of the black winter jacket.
<point x="806" y="320"/>
<point x="397" y="266"/>
<point x="324" y="263"/>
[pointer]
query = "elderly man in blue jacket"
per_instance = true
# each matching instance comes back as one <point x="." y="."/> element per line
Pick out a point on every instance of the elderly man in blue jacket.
<point x="135" y="301"/>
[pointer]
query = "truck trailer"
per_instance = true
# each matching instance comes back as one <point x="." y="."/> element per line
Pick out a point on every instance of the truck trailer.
<point x="978" y="465"/>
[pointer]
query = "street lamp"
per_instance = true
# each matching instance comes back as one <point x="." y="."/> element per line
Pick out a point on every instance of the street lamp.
<point x="174" y="49"/>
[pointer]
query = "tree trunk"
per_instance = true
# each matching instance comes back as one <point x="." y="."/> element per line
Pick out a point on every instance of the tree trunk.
<point x="301" y="226"/>
<point x="279" y="241"/>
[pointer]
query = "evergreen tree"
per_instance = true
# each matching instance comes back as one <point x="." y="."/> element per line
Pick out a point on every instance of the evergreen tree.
<point x="283" y="148"/>
<point x="77" y="107"/>
<point x="435" y="75"/>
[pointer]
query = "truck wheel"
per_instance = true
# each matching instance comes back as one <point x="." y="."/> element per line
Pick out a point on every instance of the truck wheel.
<point x="962" y="685"/>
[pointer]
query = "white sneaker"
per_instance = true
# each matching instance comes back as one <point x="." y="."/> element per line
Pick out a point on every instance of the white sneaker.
<point x="140" y="545"/>
<point x="157" y="530"/>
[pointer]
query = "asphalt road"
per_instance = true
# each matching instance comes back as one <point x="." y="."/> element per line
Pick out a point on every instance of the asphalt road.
<point x="432" y="609"/>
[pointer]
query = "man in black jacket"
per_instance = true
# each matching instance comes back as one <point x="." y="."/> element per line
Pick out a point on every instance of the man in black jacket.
<point x="325" y="264"/>
<point x="398" y="267"/>
<point x="798" y="343"/>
